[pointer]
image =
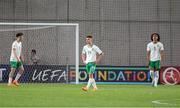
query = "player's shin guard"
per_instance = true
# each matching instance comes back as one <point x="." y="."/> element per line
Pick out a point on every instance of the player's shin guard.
<point x="89" y="83"/>
<point x="152" y="76"/>
<point x="156" y="78"/>
<point x="17" y="77"/>
<point x="11" y="74"/>
<point x="94" y="84"/>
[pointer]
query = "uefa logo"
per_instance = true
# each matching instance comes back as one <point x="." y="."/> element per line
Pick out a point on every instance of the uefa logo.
<point x="171" y="76"/>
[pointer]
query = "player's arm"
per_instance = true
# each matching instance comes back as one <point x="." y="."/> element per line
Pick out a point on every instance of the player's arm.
<point x="83" y="57"/>
<point x="15" y="55"/>
<point x="22" y="57"/>
<point x="99" y="57"/>
<point x="148" y="57"/>
<point x="162" y="52"/>
<point x="162" y="55"/>
<point x="148" y="54"/>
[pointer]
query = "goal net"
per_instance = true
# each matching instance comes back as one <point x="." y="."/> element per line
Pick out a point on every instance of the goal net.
<point x="56" y="46"/>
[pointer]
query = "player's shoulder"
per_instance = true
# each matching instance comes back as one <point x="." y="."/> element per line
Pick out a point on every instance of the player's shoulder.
<point x="150" y="43"/>
<point x="85" y="46"/>
<point x="160" y="43"/>
<point x="95" y="46"/>
<point x="15" y="42"/>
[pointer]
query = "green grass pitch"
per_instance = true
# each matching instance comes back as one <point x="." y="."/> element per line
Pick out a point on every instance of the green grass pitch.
<point x="67" y="95"/>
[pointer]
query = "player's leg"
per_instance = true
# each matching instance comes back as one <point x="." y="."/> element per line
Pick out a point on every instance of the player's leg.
<point x="152" y="76"/>
<point x="89" y="80"/>
<point x="151" y="67"/>
<point x="11" y="74"/>
<point x="92" y="70"/>
<point x="157" y="68"/>
<point x="92" y="82"/>
<point x="21" y="70"/>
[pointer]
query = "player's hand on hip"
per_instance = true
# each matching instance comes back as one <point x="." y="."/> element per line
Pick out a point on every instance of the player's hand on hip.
<point x="84" y="62"/>
<point x="96" y="62"/>
<point x="148" y="63"/>
<point x="22" y="59"/>
<point x="19" y="59"/>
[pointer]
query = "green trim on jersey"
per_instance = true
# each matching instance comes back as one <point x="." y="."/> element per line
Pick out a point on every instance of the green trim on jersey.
<point x="155" y="65"/>
<point x="90" y="68"/>
<point x="15" y="64"/>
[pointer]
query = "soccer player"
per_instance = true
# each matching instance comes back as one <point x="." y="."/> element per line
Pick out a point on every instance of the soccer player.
<point x="16" y="60"/>
<point x="155" y="52"/>
<point x="91" y="55"/>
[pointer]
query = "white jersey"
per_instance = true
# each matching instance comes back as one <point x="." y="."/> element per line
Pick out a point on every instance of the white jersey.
<point x="18" y="46"/>
<point x="155" y="49"/>
<point x="90" y="53"/>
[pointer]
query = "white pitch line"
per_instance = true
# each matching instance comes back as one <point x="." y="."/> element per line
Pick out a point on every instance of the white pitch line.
<point x="158" y="102"/>
<point x="164" y="103"/>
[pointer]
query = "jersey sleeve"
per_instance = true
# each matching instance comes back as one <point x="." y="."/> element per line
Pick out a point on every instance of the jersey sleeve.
<point x="148" y="47"/>
<point x="162" y="47"/>
<point x="98" y="50"/>
<point x="14" y="45"/>
<point x="84" y="51"/>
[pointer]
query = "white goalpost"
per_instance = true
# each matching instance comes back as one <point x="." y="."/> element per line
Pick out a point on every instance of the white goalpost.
<point x="46" y="25"/>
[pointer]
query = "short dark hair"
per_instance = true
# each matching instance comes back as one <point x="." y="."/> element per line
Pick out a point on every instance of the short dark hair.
<point x="19" y="34"/>
<point x="34" y="51"/>
<point x="89" y="36"/>
<point x="157" y="36"/>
